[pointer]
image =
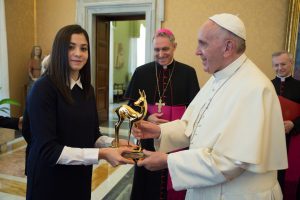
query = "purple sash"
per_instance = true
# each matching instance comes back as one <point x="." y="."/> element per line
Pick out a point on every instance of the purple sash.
<point x="292" y="174"/>
<point x="170" y="113"/>
<point x="290" y="111"/>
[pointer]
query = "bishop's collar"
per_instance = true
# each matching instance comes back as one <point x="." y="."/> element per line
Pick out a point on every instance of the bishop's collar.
<point x="283" y="79"/>
<point x="168" y="66"/>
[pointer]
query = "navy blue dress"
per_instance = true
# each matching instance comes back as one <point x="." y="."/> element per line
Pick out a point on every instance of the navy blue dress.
<point x="49" y="124"/>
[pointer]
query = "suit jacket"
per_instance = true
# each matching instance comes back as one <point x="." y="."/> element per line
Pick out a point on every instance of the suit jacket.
<point x="9" y="122"/>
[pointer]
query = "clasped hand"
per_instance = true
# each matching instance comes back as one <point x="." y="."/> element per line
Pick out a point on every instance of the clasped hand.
<point x="288" y="126"/>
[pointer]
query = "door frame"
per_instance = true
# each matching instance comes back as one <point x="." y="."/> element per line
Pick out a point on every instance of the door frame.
<point x="87" y="10"/>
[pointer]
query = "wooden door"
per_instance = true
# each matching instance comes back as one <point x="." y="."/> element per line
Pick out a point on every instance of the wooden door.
<point x="102" y="68"/>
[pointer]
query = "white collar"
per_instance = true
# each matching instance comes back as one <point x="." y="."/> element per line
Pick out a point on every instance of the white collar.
<point x="231" y="68"/>
<point x="283" y="78"/>
<point x="166" y="66"/>
<point x="73" y="83"/>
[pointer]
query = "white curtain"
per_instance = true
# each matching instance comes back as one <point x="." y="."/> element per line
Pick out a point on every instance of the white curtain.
<point x="132" y="56"/>
<point x="141" y="46"/>
<point x="137" y="51"/>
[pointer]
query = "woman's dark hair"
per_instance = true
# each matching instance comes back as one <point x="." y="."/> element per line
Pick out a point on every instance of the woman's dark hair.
<point x="59" y="69"/>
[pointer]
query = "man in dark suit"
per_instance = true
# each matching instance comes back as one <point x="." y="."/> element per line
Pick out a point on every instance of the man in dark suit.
<point x="11" y="122"/>
<point x="287" y="87"/>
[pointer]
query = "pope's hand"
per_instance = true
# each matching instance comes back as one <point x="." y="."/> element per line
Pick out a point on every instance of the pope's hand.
<point x="154" y="160"/>
<point x="145" y="130"/>
<point x="156" y="118"/>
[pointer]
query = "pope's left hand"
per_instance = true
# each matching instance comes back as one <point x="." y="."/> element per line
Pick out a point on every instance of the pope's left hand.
<point x="154" y="160"/>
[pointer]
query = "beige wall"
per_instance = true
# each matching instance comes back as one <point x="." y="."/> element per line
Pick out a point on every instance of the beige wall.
<point x="20" y="38"/>
<point x="121" y="36"/>
<point x="265" y="22"/>
<point x="51" y="16"/>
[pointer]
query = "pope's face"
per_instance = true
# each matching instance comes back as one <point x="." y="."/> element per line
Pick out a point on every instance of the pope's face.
<point x="282" y="65"/>
<point x="163" y="50"/>
<point x="78" y="53"/>
<point x="210" y="47"/>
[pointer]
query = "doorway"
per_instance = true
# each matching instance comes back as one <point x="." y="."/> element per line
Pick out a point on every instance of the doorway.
<point x="87" y="13"/>
<point x="120" y="48"/>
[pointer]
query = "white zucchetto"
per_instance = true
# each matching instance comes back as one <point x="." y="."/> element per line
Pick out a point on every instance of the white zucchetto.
<point x="231" y="23"/>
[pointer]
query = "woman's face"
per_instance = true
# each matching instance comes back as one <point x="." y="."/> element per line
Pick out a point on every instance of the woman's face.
<point x="78" y="53"/>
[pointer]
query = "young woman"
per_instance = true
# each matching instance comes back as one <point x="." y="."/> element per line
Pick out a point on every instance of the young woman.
<point x="61" y="124"/>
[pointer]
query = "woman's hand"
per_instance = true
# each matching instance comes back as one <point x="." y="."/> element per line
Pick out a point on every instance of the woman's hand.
<point x="114" y="155"/>
<point x="123" y="142"/>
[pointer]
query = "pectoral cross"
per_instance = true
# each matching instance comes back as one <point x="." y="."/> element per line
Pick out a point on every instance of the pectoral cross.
<point x="160" y="104"/>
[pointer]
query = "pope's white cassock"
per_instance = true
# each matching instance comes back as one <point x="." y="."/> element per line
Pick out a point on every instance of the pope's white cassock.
<point x="235" y="133"/>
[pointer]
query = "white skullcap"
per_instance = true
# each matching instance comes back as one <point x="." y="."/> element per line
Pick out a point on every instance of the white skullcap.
<point x="231" y="23"/>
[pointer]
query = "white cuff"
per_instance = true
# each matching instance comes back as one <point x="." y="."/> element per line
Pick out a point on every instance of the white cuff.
<point x="78" y="156"/>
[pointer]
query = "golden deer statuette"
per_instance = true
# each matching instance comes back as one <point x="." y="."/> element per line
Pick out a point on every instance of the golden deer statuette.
<point x="126" y="112"/>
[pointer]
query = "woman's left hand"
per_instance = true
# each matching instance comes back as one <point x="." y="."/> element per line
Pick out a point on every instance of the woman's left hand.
<point x="114" y="155"/>
<point x="123" y="142"/>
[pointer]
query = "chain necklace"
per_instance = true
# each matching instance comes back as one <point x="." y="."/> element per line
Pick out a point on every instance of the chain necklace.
<point x="206" y="105"/>
<point x="160" y="103"/>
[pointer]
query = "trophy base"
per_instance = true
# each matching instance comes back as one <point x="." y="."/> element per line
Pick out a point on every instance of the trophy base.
<point x="135" y="156"/>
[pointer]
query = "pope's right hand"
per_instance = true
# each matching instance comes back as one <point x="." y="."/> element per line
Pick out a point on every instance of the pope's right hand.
<point x="156" y="118"/>
<point x="145" y="130"/>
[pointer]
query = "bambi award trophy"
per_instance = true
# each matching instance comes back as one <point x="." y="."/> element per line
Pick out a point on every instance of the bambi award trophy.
<point x="126" y="112"/>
